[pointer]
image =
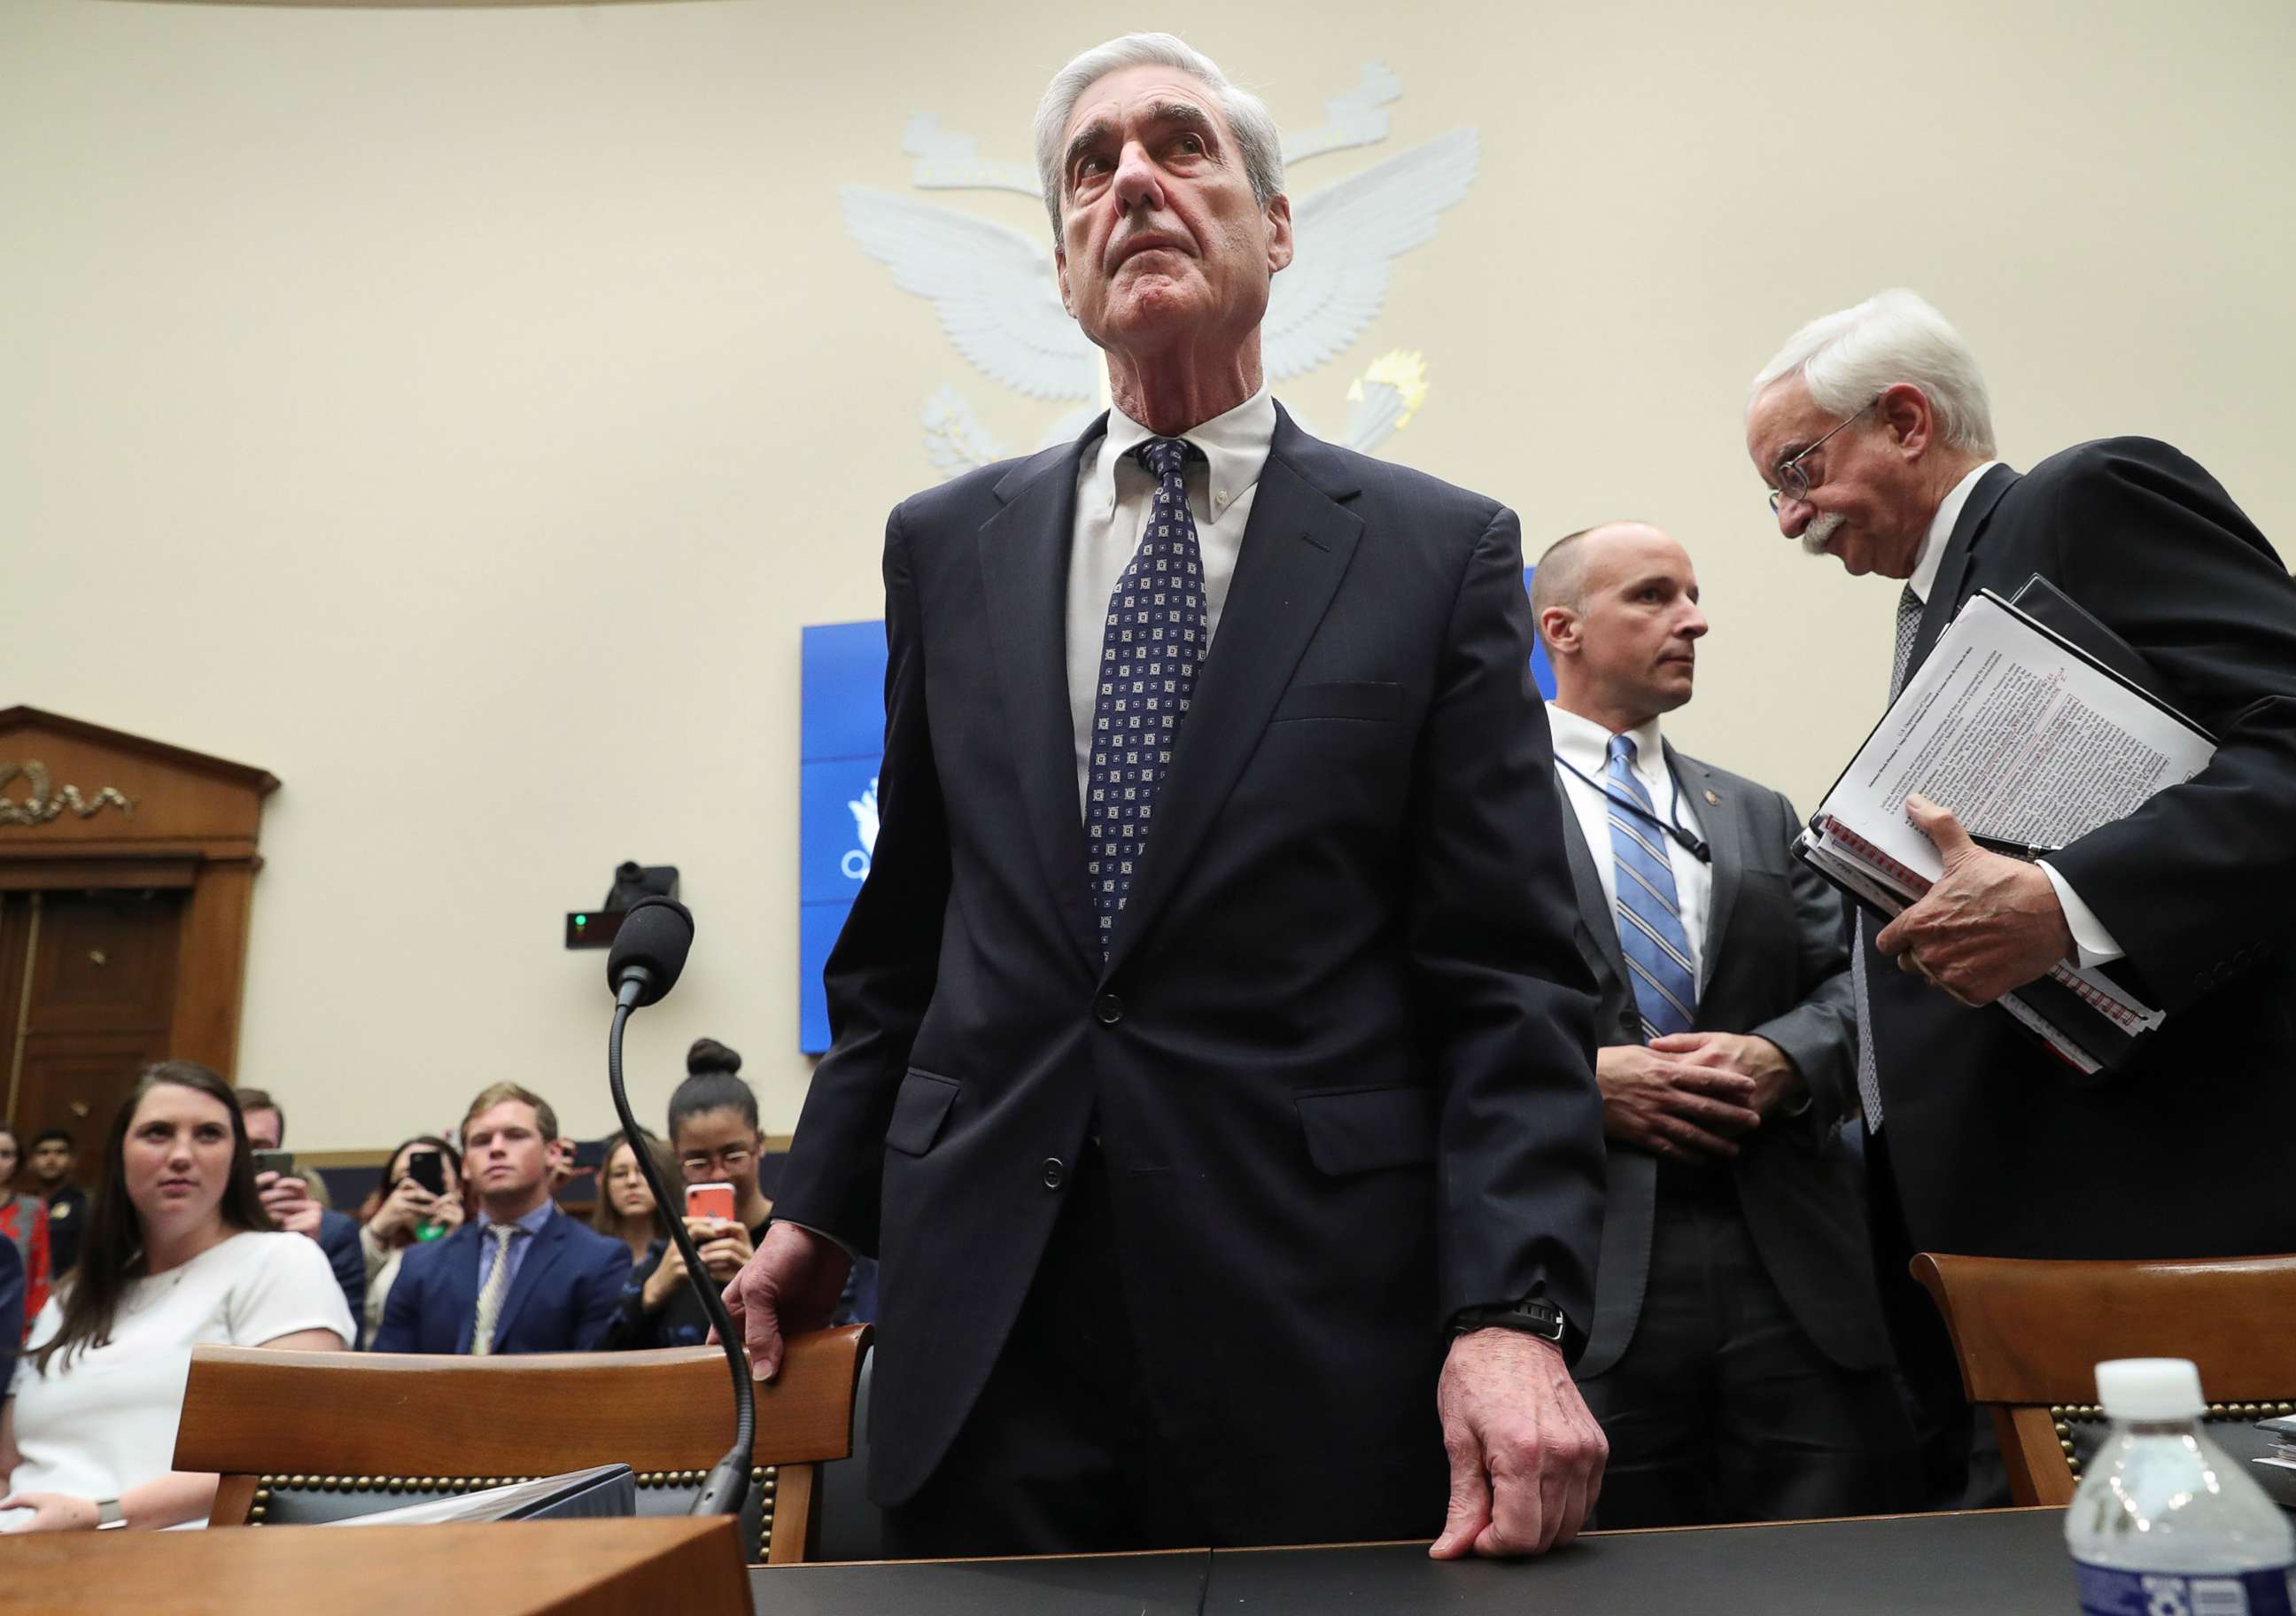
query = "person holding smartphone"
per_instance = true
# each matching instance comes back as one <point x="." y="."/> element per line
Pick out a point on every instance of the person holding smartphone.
<point x="296" y="1199"/>
<point x="419" y="1200"/>
<point x="715" y="1137"/>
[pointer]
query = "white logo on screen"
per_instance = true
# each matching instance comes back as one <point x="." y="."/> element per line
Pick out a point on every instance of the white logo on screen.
<point x="864" y="810"/>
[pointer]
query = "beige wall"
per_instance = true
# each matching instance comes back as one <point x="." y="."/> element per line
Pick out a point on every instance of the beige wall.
<point x="368" y="377"/>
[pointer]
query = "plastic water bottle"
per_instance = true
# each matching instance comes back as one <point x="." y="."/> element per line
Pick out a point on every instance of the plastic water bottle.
<point x="2164" y="1523"/>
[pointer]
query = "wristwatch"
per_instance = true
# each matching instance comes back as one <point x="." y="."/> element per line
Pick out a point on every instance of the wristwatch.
<point x="109" y="1516"/>
<point x="1533" y="1315"/>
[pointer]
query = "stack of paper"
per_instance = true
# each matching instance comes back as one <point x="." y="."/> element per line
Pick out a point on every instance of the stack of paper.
<point x="2028" y="724"/>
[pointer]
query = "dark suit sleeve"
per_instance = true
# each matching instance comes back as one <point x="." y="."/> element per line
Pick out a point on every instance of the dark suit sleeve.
<point x="339" y="1238"/>
<point x="598" y="1294"/>
<point x="1820" y="1033"/>
<point x="2198" y="883"/>
<point x="1504" y="1003"/>
<point x="879" y="976"/>
<point x="402" y="1310"/>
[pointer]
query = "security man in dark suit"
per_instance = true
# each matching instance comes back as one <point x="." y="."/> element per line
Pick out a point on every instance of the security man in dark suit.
<point x="1739" y="1363"/>
<point x="1873" y="432"/>
<point x="1212" y="1068"/>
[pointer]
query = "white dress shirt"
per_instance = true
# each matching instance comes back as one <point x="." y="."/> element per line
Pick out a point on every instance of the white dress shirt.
<point x="2096" y="945"/>
<point x="1114" y="492"/>
<point x="1585" y="745"/>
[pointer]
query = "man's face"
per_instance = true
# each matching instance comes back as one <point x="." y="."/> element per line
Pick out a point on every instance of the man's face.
<point x="52" y="1161"/>
<point x="265" y="1130"/>
<point x="1866" y="506"/>
<point x="10" y="1158"/>
<point x="1638" y="634"/>
<point x="1161" y="240"/>
<point x="504" y="1152"/>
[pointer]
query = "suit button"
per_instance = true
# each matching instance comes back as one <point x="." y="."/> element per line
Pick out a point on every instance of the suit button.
<point x="1108" y="1010"/>
<point x="1056" y="1174"/>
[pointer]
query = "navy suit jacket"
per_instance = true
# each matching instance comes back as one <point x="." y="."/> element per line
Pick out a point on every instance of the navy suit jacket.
<point x="1999" y="1149"/>
<point x="339" y="1238"/>
<point x="1337" y="1054"/>
<point x="563" y="1297"/>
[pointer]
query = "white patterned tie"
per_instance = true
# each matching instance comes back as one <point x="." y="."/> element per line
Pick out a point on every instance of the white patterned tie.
<point x="497" y="1286"/>
<point x="1869" y="1075"/>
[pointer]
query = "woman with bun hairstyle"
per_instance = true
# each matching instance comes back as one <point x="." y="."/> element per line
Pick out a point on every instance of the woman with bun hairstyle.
<point x="715" y="1137"/>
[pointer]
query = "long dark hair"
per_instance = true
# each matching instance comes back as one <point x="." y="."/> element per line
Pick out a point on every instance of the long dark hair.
<point x="603" y="1216"/>
<point x="112" y="1249"/>
<point x="449" y="1157"/>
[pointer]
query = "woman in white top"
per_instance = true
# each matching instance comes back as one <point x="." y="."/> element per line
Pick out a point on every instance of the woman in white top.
<point x="177" y="1251"/>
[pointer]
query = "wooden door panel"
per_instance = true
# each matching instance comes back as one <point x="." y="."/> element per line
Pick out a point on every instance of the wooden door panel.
<point x="106" y="961"/>
<point x="76" y="1081"/>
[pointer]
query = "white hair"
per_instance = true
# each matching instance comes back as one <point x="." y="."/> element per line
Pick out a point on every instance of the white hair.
<point x="1257" y="138"/>
<point x="1847" y="357"/>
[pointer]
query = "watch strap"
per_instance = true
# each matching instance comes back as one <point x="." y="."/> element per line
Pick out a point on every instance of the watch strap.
<point x="1533" y="1315"/>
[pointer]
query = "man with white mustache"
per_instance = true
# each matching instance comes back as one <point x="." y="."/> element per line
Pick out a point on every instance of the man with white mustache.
<point x="1873" y="430"/>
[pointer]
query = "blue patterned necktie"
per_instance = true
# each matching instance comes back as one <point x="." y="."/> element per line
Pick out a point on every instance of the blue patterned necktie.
<point x="1650" y="911"/>
<point x="1150" y="650"/>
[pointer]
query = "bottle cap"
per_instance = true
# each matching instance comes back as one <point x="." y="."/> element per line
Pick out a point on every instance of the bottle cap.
<point x="2149" y="1389"/>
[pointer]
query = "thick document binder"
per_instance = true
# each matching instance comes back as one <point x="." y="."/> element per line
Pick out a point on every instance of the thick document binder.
<point x="2034" y="723"/>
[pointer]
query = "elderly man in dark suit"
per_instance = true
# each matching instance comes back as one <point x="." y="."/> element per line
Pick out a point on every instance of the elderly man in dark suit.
<point x="1872" y="430"/>
<point x="1212" y="1071"/>
<point x="1739" y="1363"/>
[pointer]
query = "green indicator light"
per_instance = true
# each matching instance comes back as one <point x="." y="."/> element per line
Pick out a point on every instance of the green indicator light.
<point x="580" y="921"/>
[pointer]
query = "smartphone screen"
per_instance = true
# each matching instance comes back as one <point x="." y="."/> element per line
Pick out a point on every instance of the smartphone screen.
<point x="282" y="1162"/>
<point x="710" y="1200"/>
<point x="428" y="1169"/>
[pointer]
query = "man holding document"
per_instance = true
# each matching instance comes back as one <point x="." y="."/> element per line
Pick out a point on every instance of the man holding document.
<point x="1872" y="430"/>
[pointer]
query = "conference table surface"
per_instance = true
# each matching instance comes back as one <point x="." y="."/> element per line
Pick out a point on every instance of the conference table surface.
<point x="2004" y="1562"/>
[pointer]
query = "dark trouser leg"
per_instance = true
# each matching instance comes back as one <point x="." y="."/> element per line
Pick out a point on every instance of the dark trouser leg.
<point x="1960" y="1466"/>
<point x="1061" y="1454"/>
<point x="1800" y="1438"/>
<point x="1656" y="1403"/>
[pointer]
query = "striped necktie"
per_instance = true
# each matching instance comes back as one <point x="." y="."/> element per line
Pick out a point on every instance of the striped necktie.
<point x="1650" y="911"/>
<point x="497" y="1286"/>
<point x="1869" y="1072"/>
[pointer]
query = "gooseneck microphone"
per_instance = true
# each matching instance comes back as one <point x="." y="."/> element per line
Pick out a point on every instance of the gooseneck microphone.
<point x="648" y="954"/>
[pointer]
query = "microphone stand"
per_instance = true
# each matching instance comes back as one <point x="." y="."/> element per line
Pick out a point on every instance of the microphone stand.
<point x="728" y="1483"/>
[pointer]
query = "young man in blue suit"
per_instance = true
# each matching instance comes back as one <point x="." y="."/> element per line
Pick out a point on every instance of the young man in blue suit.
<point x="522" y="1276"/>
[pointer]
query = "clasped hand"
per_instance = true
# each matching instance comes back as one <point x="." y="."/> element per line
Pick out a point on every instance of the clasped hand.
<point x="1989" y="925"/>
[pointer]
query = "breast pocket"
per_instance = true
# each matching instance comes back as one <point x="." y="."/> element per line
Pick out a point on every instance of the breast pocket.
<point x="1365" y="701"/>
<point x="918" y="1111"/>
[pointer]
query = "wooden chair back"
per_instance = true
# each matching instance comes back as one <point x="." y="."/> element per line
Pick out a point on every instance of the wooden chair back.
<point x="409" y="1423"/>
<point x="2029" y="1336"/>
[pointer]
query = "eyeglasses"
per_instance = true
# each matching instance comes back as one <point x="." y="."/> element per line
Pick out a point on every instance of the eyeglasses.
<point x="731" y="1161"/>
<point x="1793" y="481"/>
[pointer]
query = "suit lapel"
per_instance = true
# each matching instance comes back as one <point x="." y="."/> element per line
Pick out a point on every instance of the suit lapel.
<point x="1296" y="548"/>
<point x="537" y="1261"/>
<point x="1602" y="924"/>
<point x="1024" y="567"/>
<point x="1944" y="591"/>
<point x="1717" y="812"/>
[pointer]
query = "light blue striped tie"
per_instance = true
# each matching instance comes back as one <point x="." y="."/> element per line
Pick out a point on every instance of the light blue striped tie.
<point x="1650" y="911"/>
